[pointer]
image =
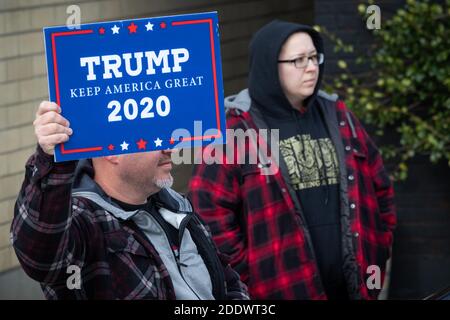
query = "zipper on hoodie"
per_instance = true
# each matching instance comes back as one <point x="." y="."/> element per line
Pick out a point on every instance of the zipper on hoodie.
<point x="176" y="255"/>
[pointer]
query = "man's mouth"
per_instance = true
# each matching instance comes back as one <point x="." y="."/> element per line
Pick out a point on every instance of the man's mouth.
<point x="165" y="163"/>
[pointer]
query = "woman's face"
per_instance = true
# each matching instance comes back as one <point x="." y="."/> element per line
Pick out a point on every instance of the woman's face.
<point x="298" y="84"/>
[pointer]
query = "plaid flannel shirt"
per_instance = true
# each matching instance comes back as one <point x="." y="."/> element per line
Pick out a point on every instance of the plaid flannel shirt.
<point x="53" y="230"/>
<point x="254" y="218"/>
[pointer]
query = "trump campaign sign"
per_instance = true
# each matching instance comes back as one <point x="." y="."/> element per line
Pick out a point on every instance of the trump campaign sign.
<point x="127" y="86"/>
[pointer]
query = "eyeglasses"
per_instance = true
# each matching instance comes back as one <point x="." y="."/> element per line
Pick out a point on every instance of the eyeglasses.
<point x="302" y="62"/>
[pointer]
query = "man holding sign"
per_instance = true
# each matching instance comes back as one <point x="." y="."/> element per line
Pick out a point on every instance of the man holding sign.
<point x="111" y="227"/>
<point x="116" y="222"/>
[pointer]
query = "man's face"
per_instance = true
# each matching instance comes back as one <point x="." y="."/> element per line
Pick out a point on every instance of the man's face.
<point x="297" y="84"/>
<point x="149" y="171"/>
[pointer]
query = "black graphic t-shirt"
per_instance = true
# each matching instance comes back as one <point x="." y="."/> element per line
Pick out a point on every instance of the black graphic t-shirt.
<point x="313" y="168"/>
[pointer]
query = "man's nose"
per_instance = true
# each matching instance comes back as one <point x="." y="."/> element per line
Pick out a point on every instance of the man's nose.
<point x="167" y="152"/>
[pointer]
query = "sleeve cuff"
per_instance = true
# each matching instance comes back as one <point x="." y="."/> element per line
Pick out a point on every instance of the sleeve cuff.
<point x="55" y="167"/>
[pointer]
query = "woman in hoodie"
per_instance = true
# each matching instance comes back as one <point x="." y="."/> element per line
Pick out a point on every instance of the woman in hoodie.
<point x="312" y="228"/>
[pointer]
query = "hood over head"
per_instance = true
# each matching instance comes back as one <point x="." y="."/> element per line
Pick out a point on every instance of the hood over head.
<point x="264" y="84"/>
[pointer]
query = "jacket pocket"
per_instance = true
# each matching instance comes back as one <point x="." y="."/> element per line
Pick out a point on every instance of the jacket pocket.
<point x="248" y="171"/>
<point x="121" y="241"/>
<point x="358" y="150"/>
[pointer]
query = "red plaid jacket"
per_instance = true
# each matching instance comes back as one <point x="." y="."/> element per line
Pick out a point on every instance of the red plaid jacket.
<point x="52" y="230"/>
<point x="257" y="221"/>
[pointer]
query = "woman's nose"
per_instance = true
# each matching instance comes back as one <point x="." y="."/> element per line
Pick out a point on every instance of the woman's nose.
<point x="311" y="66"/>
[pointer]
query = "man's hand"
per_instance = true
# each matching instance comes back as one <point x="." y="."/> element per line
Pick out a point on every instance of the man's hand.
<point x="50" y="126"/>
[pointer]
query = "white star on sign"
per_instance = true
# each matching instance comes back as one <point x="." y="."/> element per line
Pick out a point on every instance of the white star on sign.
<point x="124" y="146"/>
<point x="115" y="29"/>
<point x="158" y="142"/>
<point x="149" y="26"/>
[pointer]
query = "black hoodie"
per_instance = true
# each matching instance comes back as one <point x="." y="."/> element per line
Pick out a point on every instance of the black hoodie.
<point x="305" y="146"/>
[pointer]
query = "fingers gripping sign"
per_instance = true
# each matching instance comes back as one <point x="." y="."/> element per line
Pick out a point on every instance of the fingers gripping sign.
<point x="50" y="127"/>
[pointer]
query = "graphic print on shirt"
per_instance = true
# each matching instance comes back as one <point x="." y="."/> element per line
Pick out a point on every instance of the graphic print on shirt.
<point x="310" y="161"/>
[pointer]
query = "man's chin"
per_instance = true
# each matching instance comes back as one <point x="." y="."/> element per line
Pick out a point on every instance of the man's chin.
<point x="165" y="182"/>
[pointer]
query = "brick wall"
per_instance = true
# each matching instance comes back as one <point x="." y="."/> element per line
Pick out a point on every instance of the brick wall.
<point x="23" y="80"/>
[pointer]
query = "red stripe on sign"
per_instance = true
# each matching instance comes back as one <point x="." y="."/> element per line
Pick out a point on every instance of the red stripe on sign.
<point x="56" y="78"/>
<point x="213" y="58"/>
